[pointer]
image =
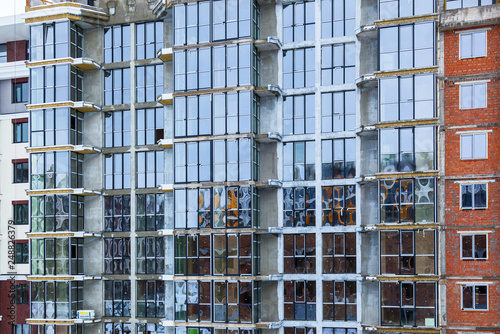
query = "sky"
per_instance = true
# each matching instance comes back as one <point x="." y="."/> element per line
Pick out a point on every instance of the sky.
<point x="11" y="7"/>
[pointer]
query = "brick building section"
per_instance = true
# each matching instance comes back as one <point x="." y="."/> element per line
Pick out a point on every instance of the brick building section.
<point x="460" y="272"/>
<point x="17" y="50"/>
<point x="22" y="311"/>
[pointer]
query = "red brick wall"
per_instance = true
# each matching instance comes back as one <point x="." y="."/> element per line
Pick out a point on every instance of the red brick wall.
<point x="458" y="317"/>
<point x="21" y="311"/>
<point x="16" y="50"/>
<point x="456" y="66"/>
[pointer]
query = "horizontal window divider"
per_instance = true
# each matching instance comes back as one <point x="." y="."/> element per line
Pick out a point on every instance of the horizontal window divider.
<point x="221" y="184"/>
<point x="208" y="231"/>
<point x="83" y="149"/>
<point x="399" y="175"/>
<point x="80" y="63"/>
<point x="401" y="329"/>
<point x="148" y="148"/>
<point x="405" y="123"/>
<point x="408" y="71"/>
<point x="40" y="278"/>
<point x="72" y="191"/>
<point x="150" y="61"/>
<point x="409" y="19"/>
<point x="338" y="40"/>
<point x="402" y="278"/>
<point x="117" y="192"/>
<point x="412" y="226"/>
<point x="476" y="280"/>
<point x="477" y="177"/>
<point x="80" y="106"/>
<point x="470" y="132"/>
<point x="263" y="325"/>
<point x="213" y="90"/>
<point x="470" y="79"/>
<point x="34" y="235"/>
<point x="121" y="107"/>
<point x="473" y="227"/>
<point x="216" y="137"/>
<point x="218" y="43"/>
<point x="241" y="278"/>
<point x="474" y="182"/>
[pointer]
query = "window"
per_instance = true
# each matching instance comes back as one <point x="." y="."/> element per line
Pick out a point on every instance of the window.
<point x="233" y="113"/>
<point x="474" y="196"/>
<point x="338" y="158"/>
<point x="338" y="205"/>
<point x="150" y="169"/>
<point x="407" y="201"/>
<point x="149" y="82"/>
<point x="57" y="256"/>
<point x="299" y="253"/>
<point x="298" y="163"/>
<point x="406" y="46"/>
<point x="233" y="301"/>
<point x="149" y="126"/>
<point x="192" y="23"/>
<point x="150" y="255"/>
<point x="3" y="53"/>
<point x="193" y="161"/>
<point x="149" y="39"/>
<point x="474" y="297"/>
<point x="390" y="9"/>
<point x="300" y="300"/>
<point x="192" y="69"/>
<point x="56" y="300"/>
<point x="298" y="68"/>
<point x="57" y="83"/>
<point x="192" y="254"/>
<point x="408" y="252"/>
<point x="150" y="329"/>
<point x="298" y="22"/>
<point x="407" y="149"/>
<point x="21" y="329"/>
<point x="232" y="254"/>
<point x="233" y="65"/>
<point x="117" y="128"/>
<point x="235" y="160"/>
<point x="21" y="172"/>
<point x="473" y="44"/>
<point x="339" y="301"/>
<point x="150" y="212"/>
<point x="232" y="207"/>
<point x="20" y="132"/>
<point x="299" y="205"/>
<point x="57" y="213"/>
<point x="21" y="214"/>
<point x="19" y="92"/>
<point x="339" y="253"/>
<point x="22" y="253"/>
<point x="473" y="96"/>
<point x="117" y="171"/>
<point x="116" y="256"/>
<point x="117" y="213"/>
<point x="298" y="114"/>
<point x="193" y="301"/>
<point x="338" y="111"/>
<point x="193" y="115"/>
<point x="119" y="328"/>
<point x="337" y="18"/>
<point x="474" y="146"/>
<point x="235" y="19"/>
<point x="337" y="64"/>
<point x="408" y="304"/>
<point x="453" y="4"/>
<point x="116" y="44"/>
<point x="117" y="298"/>
<point x="56" y="40"/>
<point x="150" y="299"/>
<point x="409" y="97"/>
<point x="474" y="246"/>
<point x="327" y="330"/>
<point x="22" y="294"/>
<point x="59" y="126"/>
<point x="59" y="169"/>
<point x="300" y="330"/>
<point x="117" y="86"/>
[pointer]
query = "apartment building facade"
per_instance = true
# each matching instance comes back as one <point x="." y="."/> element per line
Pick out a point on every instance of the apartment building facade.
<point x="14" y="213"/>
<point x="177" y="150"/>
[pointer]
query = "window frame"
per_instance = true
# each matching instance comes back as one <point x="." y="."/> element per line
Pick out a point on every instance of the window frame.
<point x="290" y="71"/>
<point x="157" y="302"/>
<point x="148" y="176"/>
<point x="22" y="253"/>
<point x="302" y="110"/>
<point x="23" y="210"/>
<point x="414" y="12"/>
<point x="21" y="289"/>
<point x="24" y="92"/>
<point x="151" y="264"/>
<point x="42" y="214"/>
<point x="473" y="135"/>
<point x="309" y="312"/>
<point x="120" y="92"/>
<point x="335" y="300"/>
<point x="118" y="52"/>
<point x="307" y="211"/>
<point x="479" y="3"/>
<point x="117" y="132"/>
<point x="23" y="129"/>
<point x="329" y="70"/>
<point x="328" y="158"/>
<point x="154" y="84"/>
<point x="112" y="243"/>
<point x="346" y="205"/>
<point x="116" y="213"/>
<point x="149" y="121"/>
<point x="113" y="174"/>
<point x="473" y="200"/>
<point x="473" y="34"/>
<point x="21" y="172"/>
<point x="473" y="308"/>
<point x="293" y="255"/>
<point x="292" y="160"/>
<point x="333" y="19"/>
<point x="157" y="41"/>
<point x="350" y="260"/>
<point x="304" y="26"/>
<point x="117" y="303"/>
<point x="3" y="53"/>
<point x="142" y="214"/>
<point x="473" y="85"/>
<point x="46" y="129"/>
<point x="473" y="246"/>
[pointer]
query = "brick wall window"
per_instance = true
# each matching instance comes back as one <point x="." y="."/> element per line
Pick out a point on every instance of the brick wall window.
<point x="21" y="214"/>
<point x="339" y="253"/>
<point x="474" y="146"/>
<point x="474" y="196"/>
<point x="474" y="297"/>
<point x="21" y="329"/>
<point x="473" y="96"/>
<point x="22" y="293"/>
<point x="299" y="205"/>
<point x="408" y="304"/>
<point x="338" y="204"/>
<point x="300" y="253"/>
<point x="473" y="44"/>
<point x="20" y="128"/>
<point x="300" y="300"/>
<point x="117" y="298"/>
<point x="22" y="253"/>
<point x="19" y="92"/>
<point x="21" y="172"/>
<point x="474" y="246"/>
<point x="339" y="301"/>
